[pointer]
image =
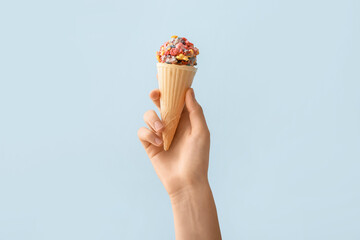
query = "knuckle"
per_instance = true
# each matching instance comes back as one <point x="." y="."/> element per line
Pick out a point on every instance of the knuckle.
<point x="206" y="132"/>
<point x="149" y="114"/>
<point x="142" y="132"/>
<point x="152" y="112"/>
<point x="203" y="133"/>
<point x="146" y="115"/>
<point x="139" y="132"/>
<point x="199" y="109"/>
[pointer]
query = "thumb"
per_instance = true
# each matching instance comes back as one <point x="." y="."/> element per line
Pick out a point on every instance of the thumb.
<point x="196" y="114"/>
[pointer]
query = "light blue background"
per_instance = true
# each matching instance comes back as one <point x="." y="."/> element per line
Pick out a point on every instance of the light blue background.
<point x="279" y="84"/>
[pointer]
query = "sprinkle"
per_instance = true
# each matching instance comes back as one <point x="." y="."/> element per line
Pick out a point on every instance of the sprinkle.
<point x="182" y="57"/>
<point x="174" y="51"/>
<point x="179" y="45"/>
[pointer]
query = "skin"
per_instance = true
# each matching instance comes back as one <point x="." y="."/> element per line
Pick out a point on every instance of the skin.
<point x="183" y="169"/>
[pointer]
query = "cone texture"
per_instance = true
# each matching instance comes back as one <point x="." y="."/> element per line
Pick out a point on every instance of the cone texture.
<point x="174" y="81"/>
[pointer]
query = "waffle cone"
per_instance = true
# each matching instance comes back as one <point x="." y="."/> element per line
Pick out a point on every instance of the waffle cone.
<point x="174" y="80"/>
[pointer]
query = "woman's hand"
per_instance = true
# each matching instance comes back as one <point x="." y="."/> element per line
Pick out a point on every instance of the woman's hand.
<point x="185" y="164"/>
<point x="183" y="169"/>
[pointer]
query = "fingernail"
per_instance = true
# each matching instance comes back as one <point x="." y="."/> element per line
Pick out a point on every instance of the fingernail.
<point x="158" y="141"/>
<point x="158" y="125"/>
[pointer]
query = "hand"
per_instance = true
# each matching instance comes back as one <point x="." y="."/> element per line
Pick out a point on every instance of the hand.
<point x="185" y="164"/>
<point x="183" y="169"/>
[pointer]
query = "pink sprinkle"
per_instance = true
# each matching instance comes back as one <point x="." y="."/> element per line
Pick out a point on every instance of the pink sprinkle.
<point x="179" y="45"/>
<point x="174" y="51"/>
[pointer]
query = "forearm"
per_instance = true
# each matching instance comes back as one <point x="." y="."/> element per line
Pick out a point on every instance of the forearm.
<point x="195" y="214"/>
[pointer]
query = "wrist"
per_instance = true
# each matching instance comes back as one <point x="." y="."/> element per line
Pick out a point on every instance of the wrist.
<point x="194" y="212"/>
<point x="190" y="191"/>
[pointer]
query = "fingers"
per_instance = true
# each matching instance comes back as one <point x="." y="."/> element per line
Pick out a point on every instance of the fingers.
<point x="148" y="137"/>
<point x="151" y="138"/>
<point x="153" y="121"/>
<point x="155" y="97"/>
<point x="196" y="114"/>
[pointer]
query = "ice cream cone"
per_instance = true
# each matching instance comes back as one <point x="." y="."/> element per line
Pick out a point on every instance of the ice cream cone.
<point x="174" y="80"/>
